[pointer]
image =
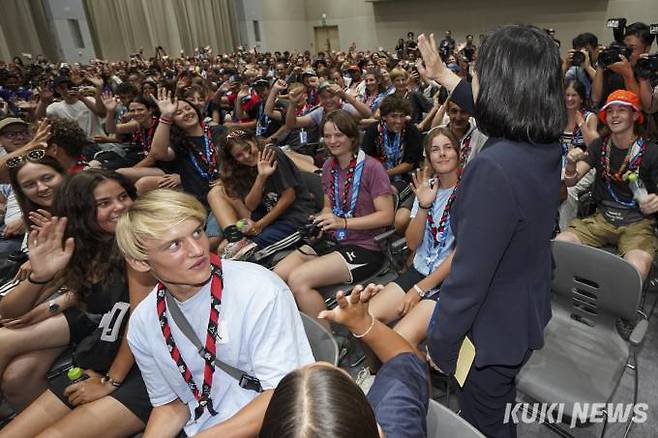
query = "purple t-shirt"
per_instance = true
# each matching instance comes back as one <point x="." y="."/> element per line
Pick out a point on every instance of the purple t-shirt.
<point x="374" y="183"/>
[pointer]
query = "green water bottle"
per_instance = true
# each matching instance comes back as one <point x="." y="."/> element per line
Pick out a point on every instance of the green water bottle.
<point x="76" y="374"/>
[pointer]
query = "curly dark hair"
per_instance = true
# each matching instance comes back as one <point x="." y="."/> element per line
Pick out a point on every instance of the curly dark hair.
<point x="178" y="136"/>
<point x="237" y="178"/>
<point x="95" y="253"/>
<point x="67" y="134"/>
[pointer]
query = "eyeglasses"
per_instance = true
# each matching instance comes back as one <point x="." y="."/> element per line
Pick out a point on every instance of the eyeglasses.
<point x="33" y="155"/>
<point x="16" y="134"/>
<point x="235" y="135"/>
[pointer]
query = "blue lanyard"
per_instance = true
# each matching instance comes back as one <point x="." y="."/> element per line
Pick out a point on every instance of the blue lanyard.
<point x="263" y="120"/>
<point x="393" y="153"/>
<point x="356" y="185"/>
<point x="207" y="151"/>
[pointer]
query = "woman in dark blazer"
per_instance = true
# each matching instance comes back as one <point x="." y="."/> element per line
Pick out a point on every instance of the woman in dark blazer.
<point x="498" y="291"/>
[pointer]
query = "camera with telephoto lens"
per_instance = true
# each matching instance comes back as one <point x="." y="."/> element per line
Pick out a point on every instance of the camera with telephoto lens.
<point x="613" y="54"/>
<point x="647" y="68"/>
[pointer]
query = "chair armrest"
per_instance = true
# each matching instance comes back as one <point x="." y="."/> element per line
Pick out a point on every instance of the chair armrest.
<point x="380" y="238"/>
<point x="399" y="244"/>
<point x="637" y="335"/>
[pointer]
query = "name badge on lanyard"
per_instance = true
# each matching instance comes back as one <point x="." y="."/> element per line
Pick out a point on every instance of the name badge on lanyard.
<point x="303" y="136"/>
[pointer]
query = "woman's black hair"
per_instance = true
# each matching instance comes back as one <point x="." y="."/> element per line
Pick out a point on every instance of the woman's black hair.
<point x="149" y="103"/>
<point x="320" y="402"/>
<point x="94" y="254"/>
<point x="521" y="95"/>
<point x="24" y="203"/>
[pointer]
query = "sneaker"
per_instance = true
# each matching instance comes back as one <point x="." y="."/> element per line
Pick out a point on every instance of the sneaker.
<point x="365" y="379"/>
<point x="240" y="250"/>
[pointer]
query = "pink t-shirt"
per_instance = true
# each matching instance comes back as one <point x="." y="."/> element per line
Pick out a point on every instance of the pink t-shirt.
<point x="374" y="183"/>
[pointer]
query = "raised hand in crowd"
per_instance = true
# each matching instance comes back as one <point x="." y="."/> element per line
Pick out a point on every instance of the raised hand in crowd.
<point x="40" y="218"/>
<point x="166" y="102"/>
<point x="424" y="187"/>
<point x="49" y="252"/>
<point x="110" y="102"/>
<point x="266" y="162"/>
<point x="431" y="66"/>
<point x="352" y="310"/>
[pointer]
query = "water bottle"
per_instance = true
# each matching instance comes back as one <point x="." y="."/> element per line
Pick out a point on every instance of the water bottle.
<point x="76" y="375"/>
<point x="637" y="187"/>
<point x="244" y="225"/>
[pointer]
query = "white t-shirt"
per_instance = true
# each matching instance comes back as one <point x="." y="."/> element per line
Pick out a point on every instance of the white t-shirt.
<point x="260" y="332"/>
<point x="87" y="120"/>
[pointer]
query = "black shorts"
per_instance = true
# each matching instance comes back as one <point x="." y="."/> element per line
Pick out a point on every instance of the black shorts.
<point x="132" y="393"/>
<point x="361" y="262"/>
<point x="407" y="280"/>
<point x="80" y="326"/>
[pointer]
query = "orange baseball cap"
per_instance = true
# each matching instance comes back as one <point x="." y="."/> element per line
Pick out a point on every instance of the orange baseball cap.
<point x="622" y="97"/>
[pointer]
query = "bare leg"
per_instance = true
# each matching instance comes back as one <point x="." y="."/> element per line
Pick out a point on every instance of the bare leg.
<point x="568" y="236"/>
<point x="105" y="417"/>
<point x="24" y="378"/>
<point x="385" y="305"/>
<point x="413" y="327"/>
<point x="135" y="173"/>
<point x="322" y="271"/>
<point x="45" y="411"/>
<point x="641" y="260"/>
<point x="292" y="260"/>
<point x="303" y="162"/>
<point x="49" y="333"/>
<point x="227" y="210"/>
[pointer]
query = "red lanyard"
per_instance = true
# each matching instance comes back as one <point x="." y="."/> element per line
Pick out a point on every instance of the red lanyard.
<point x="440" y="234"/>
<point x="347" y="185"/>
<point x="203" y="397"/>
<point x="466" y="149"/>
<point x="144" y="136"/>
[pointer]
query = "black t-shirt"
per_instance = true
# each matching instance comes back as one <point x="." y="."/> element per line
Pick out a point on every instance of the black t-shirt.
<point x="419" y="105"/>
<point x="193" y="182"/>
<point x="268" y="125"/>
<point x="287" y="176"/>
<point x="412" y="143"/>
<point x="648" y="174"/>
<point x="107" y="303"/>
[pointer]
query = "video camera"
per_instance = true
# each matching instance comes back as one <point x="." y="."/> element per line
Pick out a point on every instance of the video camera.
<point x="647" y="67"/>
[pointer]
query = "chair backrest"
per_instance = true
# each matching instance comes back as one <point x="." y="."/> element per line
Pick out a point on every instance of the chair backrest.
<point x="442" y="423"/>
<point x="313" y="183"/>
<point x="323" y="344"/>
<point x="593" y="283"/>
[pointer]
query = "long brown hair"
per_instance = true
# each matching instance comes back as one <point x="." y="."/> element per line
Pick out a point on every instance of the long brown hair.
<point x="237" y="178"/>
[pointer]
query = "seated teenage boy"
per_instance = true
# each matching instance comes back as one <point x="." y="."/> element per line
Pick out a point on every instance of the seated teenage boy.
<point x="243" y="314"/>
<point x="622" y="217"/>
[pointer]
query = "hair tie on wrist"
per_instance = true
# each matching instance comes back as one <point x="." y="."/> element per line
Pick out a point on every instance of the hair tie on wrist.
<point x="33" y="281"/>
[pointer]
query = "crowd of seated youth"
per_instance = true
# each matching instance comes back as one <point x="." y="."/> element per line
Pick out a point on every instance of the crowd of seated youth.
<point x="121" y="180"/>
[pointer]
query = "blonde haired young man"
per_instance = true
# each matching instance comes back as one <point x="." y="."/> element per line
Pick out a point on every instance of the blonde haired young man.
<point x="239" y="311"/>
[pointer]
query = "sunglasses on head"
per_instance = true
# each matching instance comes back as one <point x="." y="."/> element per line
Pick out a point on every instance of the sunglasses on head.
<point x="236" y="135"/>
<point x="33" y="155"/>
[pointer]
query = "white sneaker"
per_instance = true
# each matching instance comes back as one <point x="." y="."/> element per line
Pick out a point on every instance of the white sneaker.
<point x="240" y="250"/>
<point x="365" y="380"/>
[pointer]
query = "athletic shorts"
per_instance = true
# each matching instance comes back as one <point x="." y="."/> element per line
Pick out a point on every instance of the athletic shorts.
<point x="361" y="262"/>
<point x="407" y="280"/>
<point x="132" y="393"/>
<point x="80" y="325"/>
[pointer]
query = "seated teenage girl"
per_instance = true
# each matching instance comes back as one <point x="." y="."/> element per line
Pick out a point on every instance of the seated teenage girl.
<point x="413" y="295"/>
<point x="358" y="205"/>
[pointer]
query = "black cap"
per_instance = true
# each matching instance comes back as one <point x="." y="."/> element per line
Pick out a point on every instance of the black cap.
<point x="61" y="80"/>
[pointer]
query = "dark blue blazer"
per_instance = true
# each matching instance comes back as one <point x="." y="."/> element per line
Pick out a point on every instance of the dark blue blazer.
<point x="498" y="290"/>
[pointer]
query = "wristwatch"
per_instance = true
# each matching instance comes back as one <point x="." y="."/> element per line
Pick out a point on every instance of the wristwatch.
<point x="53" y="307"/>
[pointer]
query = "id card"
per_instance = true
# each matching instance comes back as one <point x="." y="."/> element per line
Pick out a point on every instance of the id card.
<point x="303" y="136"/>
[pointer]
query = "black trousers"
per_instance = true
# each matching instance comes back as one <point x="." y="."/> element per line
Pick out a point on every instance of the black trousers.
<point x="485" y="395"/>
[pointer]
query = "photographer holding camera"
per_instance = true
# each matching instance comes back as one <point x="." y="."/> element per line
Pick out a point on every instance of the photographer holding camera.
<point x="615" y="67"/>
<point x="578" y="64"/>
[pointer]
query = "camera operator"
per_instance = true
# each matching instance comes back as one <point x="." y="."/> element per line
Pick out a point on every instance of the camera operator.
<point x="648" y="81"/>
<point x="620" y="74"/>
<point x="578" y="64"/>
